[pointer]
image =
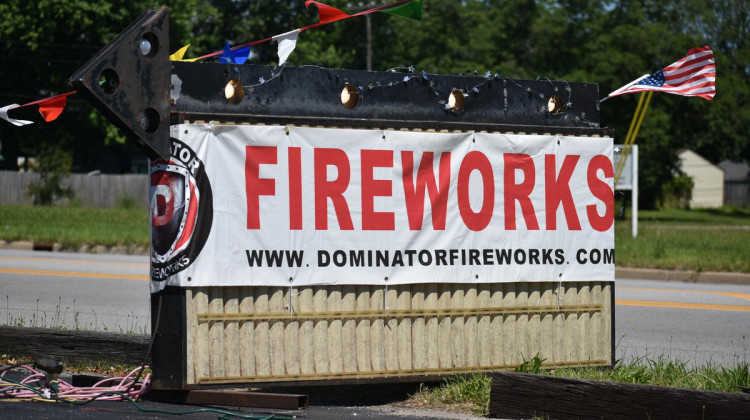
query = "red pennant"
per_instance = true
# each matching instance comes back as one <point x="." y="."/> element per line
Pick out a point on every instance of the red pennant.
<point x="327" y="13"/>
<point x="52" y="109"/>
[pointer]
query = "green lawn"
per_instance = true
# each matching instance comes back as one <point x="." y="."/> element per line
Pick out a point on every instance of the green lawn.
<point x="75" y="226"/>
<point x="703" y="240"/>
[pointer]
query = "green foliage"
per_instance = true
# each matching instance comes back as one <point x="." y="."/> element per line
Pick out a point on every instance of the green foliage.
<point x="533" y="365"/>
<point x="462" y="393"/>
<point x="677" y="192"/>
<point x="54" y="166"/>
<point x="608" y="42"/>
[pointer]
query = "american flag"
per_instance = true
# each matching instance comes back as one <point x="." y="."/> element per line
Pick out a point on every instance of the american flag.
<point x="694" y="75"/>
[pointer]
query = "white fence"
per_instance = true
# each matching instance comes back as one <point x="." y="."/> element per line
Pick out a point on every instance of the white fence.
<point x="91" y="190"/>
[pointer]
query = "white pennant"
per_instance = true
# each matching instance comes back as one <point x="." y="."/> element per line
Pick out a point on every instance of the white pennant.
<point x="4" y="115"/>
<point x="287" y="43"/>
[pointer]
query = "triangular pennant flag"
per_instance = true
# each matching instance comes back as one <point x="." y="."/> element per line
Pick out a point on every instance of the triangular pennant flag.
<point x="327" y="13"/>
<point x="52" y="108"/>
<point x="287" y="43"/>
<point x="4" y="115"/>
<point x="177" y="56"/>
<point x="238" y="56"/>
<point x="226" y="56"/>
<point x="411" y="10"/>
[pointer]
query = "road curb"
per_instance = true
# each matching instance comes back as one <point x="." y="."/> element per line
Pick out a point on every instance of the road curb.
<point x="685" y="276"/>
<point x="85" y="249"/>
<point x="621" y="273"/>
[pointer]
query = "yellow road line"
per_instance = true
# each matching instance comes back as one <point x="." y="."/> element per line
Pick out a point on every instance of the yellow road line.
<point x="74" y="274"/>
<point x="745" y="296"/>
<point x="680" y="305"/>
<point x="73" y="261"/>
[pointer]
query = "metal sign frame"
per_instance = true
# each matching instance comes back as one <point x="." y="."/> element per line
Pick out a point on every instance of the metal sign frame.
<point x="135" y="85"/>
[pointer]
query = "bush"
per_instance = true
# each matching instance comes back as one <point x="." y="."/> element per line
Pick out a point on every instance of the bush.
<point x="54" y="165"/>
<point x="676" y="194"/>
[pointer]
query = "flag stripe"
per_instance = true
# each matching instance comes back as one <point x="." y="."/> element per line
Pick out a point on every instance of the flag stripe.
<point x="693" y="75"/>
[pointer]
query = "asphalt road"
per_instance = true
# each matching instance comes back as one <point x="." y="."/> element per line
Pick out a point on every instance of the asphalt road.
<point x="694" y="323"/>
<point x="90" y="291"/>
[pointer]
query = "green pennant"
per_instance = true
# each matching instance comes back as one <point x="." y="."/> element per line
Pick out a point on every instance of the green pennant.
<point x="411" y="10"/>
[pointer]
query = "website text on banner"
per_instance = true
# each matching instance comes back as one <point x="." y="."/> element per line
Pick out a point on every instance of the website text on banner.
<point x="292" y="206"/>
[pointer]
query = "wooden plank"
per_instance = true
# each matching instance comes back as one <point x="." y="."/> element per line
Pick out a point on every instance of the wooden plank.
<point x="470" y="326"/>
<point x="306" y="348"/>
<point x="291" y="332"/>
<point x="510" y="350"/>
<point x="391" y="330"/>
<point x="444" y="328"/>
<point x="571" y="328"/>
<point x="484" y="332"/>
<point x="584" y="323"/>
<point x="201" y="362"/>
<point x="522" y="323"/>
<point x="320" y="331"/>
<point x="458" y="345"/>
<point x="606" y="333"/>
<point x="335" y="356"/>
<point x="418" y="344"/>
<point x="364" y="359"/>
<point x="377" y="348"/>
<point x="432" y="333"/>
<point x="558" y="325"/>
<point x="546" y="334"/>
<point x="404" y="328"/>
<point x="534" y="324"/>
<point x="496" y="326"/>
<point x="517" y="395"/>
<point x="231" y="333"/>
<point x="191" y="327"/>
<point x="349" y="329"/>
<point x="595" y="333"/>
<point x="216" y="332"/>
<point x="277" y="303"/>
<point x="247" y="332"/>
<point x="262" y="337"/>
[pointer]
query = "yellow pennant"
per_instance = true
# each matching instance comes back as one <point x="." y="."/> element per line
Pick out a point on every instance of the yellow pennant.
<point x="177" y="56"/>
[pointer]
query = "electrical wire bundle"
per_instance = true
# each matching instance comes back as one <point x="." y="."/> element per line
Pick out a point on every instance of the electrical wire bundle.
<point x="38" y="386"/>
<point x="35" y="386"/>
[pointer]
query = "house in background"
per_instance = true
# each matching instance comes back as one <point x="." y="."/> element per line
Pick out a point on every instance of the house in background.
<point x="708" y="180"/>
<point x="736" y="183"/>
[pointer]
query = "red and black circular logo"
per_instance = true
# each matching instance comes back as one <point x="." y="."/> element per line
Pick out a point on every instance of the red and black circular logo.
<point x="181" y="211"/>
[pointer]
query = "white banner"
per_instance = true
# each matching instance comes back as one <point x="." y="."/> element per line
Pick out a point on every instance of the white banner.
<point x="290" y="206"/>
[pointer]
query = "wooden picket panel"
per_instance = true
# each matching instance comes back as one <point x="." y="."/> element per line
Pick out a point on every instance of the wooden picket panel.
<point x="302" y="334"/>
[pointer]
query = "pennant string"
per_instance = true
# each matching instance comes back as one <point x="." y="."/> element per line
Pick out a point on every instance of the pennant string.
<point x="314" y="25"/>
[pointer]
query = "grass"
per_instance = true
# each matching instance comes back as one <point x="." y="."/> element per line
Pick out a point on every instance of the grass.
<point x="700" y="240"/>
<point x="69" y="318"/>
<point x="75" y="226"/>
<point x="472" y="393"/>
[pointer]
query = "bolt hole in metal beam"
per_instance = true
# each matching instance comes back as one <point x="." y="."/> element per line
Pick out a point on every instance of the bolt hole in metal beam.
<point x="149" y="44"/>
<point x="234" y="91"/>
<point x="109" y="81"/>
<point x="150" y="120"/>
<point x="350" y="96"/>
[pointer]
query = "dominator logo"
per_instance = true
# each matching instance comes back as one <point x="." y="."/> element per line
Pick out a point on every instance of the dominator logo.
<point x="181" y="211"/>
